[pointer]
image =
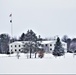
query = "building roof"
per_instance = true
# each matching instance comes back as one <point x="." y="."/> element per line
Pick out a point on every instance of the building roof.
<point x="18" y="42"/>
<point x="43" y="42"/>
<point x="51" y="41"/>
<point x="47" y="42"/>
<point x="63" y="42"/>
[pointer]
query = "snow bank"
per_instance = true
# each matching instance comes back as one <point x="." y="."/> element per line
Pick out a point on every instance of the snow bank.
<point x="47" y="65"/>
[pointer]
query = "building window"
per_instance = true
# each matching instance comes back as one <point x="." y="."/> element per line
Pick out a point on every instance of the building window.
<point x="19" y="50"/>
<point x="15" y="46"/>
<point x="50" y="44"/>
<point x="24" y="45"/>
<point x="15" y="50"/>
<point x="50" y="48"/>
<point x="11" y="50"/>
<point x="11" y="45"/>
<point x="19" y="45"/>
<point x="46" y="45"/>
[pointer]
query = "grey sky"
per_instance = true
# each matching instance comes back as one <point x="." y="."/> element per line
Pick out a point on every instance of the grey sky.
<point x="45" y="17"/>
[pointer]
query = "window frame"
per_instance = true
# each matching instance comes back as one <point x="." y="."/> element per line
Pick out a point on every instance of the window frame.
<point x="19" y="45"/>
<point x="50" y="44"/>
<point x="15" y="45"/>
<point x="50" y="49"/>
<point x="46" y="45"/>
<point x="15" y="50"/>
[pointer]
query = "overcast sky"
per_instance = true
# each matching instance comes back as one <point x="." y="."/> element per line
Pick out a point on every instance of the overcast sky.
<point x="45" y="17"/>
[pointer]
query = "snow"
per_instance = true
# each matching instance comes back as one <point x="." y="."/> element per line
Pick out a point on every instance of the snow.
<point x="47" y="42"/>
<point x="16" y="42"/>
<point x="47" y="65"/>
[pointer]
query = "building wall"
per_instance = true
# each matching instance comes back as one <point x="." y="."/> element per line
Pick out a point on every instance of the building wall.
<point x="49" y="47"/>
<point x="15" y="47"/>
<point x="64" y="45"/>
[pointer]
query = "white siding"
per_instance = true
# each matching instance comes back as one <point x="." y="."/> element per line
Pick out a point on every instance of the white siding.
<point x="15" y="46"/>
<point x="48" y="47"/>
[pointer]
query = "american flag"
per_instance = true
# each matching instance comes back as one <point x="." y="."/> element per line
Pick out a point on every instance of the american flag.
<point x="10" y="15"/>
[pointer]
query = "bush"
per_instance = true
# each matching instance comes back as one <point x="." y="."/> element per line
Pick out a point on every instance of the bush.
<point x="69" y="51"/>
<point x="8" y="53"/>
<point x="58" y="53"/>
<point x="41" y="54"/>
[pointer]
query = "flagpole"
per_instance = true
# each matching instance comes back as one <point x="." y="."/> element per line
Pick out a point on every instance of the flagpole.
<point x="11" y="25"/>
<point x="11" y="28"/>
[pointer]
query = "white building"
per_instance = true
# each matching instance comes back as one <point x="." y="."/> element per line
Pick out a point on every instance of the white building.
<point x="15" y="46"/>
<point x="48" y="46"/>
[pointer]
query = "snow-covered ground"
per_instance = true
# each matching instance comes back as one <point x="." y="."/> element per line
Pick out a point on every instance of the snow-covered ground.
<point x="47" y="65"/>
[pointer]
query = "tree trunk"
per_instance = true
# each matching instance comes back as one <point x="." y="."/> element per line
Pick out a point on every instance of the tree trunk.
<point x="30" y="53"/>
<point x="35" y="54"/>
<point x="18" y="55"/>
